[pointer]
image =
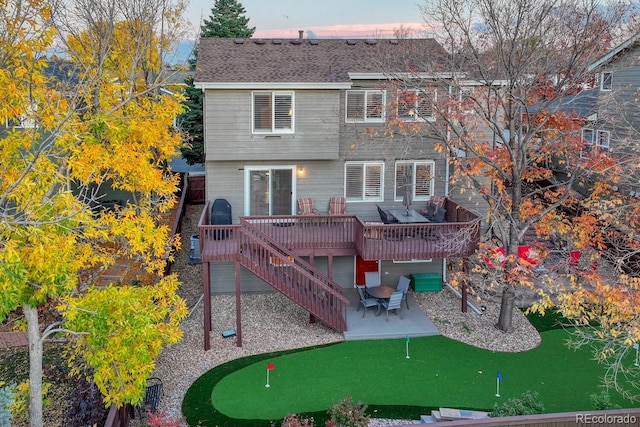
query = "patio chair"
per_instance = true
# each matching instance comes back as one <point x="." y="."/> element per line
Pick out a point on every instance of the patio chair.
<point x="430" y="211"/>
<point x="387" y="218"/>
<point x="306" y="207"/>
<point x="394" y="303"/>
<point x="371" y="279"/>
<point x="439" y="201"/>
<point x="337" y="206"/>
<point x="439" y="217"/>
<point x="366" y="302"/>
<point x="403" y="285"/>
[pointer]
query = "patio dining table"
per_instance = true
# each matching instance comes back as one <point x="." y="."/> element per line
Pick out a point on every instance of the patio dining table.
<point x="405" y="216"/>
<point x="380" y="292"/>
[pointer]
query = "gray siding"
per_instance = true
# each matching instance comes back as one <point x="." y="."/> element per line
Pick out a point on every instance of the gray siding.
<point x="618" y="109"/>
<point x="390" y="271"/>
<point x="223" y="275"/>
<point x="228" y="128"/>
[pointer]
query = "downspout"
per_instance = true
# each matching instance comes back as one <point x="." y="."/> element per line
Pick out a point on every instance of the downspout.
<point x="446" y="193"/>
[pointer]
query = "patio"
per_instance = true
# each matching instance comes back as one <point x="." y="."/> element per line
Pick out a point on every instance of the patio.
<point x="414" y="322"/>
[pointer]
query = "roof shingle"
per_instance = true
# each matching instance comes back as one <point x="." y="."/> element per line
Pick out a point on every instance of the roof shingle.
<point x="304" y="60"/>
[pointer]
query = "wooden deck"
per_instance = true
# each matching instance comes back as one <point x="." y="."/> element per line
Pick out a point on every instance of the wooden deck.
<point x="335" y="235"/>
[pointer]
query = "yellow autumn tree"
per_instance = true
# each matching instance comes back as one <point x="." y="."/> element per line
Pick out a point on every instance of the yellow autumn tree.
<point x="77" y="128"/>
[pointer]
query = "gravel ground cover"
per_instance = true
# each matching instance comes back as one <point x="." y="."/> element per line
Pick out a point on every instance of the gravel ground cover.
<point x="271" y="322"/>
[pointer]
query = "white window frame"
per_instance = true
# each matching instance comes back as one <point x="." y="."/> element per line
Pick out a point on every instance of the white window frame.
<point x="603" y="138"/>
<point x="398" y="194"/>
<point x="606" y="80"/>
<point x="364" y="197"/>
<point x="588" y="136"/>
<point x="414" y="113"/>
<point x="411" y="261"/>
<point x="367" y="94"/>
<point x="273" y="95"/>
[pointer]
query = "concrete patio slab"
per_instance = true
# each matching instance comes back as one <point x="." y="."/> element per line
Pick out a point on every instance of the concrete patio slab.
<point x="414" y="322"/>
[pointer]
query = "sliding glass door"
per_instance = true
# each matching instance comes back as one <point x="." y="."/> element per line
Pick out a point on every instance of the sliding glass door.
<point x="269" y="190"/>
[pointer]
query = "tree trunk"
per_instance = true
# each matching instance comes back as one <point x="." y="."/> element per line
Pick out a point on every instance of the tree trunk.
<point x="506" y="309"/>
<point x="35" y="366"/>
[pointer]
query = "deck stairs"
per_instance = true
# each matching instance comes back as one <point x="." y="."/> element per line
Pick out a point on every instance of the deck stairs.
<point x="292" y="276"/>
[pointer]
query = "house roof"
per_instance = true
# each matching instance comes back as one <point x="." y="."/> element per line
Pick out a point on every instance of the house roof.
<point x="304" y="62"/>
<point x="615" y="51"/>
<point x="584" y="104"/>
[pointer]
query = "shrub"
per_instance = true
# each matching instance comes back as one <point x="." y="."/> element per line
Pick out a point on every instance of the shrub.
<point x="527" y="404"/>
<point x="602" y="401"/>
<point x="163" y="419"/>
<point x="6" y="398"/>
<point x="87" y="407"/>
<point x="346" y="413"/>
<point x="294" y="420"/>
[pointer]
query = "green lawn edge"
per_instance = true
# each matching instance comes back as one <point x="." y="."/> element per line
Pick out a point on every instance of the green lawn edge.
<point x="198" y="409"/>
<point x="197" y="399"/>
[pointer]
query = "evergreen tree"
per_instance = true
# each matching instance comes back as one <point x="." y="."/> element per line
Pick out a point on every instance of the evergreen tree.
<point x="227" y="20"/>
<point x="191" y="124"/>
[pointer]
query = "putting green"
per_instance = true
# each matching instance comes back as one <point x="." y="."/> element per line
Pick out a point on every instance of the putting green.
<point x="439" y="372"/>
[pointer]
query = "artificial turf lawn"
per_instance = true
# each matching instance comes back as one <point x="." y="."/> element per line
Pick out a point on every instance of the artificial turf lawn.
<point x="439" y="372"/>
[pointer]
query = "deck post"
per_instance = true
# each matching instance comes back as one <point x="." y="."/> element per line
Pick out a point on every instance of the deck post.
<point x="463" y="284"/>
<point x="206" y="289"/>
<point x="238" y="307"/>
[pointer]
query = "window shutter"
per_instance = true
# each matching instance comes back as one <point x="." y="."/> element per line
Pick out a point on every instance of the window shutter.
<point x="400" y="179"/>
<point x="406" y="104"/>
<point x="374" y="105"/>
<point x="425" y="102"/>
<point x="373" y="186"/>
<point x="262" y="112"/>
<point x="283" y="112"/>
<point x="354" y="182"/>
<point x="355" y="106"/>
<point x="423" y="180"/>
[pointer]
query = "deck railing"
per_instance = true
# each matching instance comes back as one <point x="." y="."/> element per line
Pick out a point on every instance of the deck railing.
<point x="292" y="276"/>
<point x="457" y="237"/>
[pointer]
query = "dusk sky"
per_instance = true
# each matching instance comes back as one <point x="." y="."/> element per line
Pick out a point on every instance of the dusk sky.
<point x="322" y="18"/>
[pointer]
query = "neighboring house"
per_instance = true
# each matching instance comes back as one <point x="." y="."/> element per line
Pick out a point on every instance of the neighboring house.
<point x="614" y="125"/>
<point x="289" y="119"/>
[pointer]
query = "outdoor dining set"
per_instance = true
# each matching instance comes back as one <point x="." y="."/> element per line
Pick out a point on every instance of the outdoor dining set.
<point x="373" y="294"/>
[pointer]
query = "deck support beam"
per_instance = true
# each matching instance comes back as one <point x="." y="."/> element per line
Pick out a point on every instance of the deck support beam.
<point x="238" y="306"/>
<point x="206" y="289"/>
<point x="463" y="284"/>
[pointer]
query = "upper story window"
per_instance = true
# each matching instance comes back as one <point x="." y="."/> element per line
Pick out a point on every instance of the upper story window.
<point x="415" y="176"/>
<point x="602" y="140"/>
<point x="416" y="104"/>
<point x="363" y="181"/>
<point x="606" y="80"/>
<point x="273" y="112"/>
<point x="595" y="138"/>
<point x="365" y="106"/>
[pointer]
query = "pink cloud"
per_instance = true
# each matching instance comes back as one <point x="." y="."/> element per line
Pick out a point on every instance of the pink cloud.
<point x="343" y="31"/>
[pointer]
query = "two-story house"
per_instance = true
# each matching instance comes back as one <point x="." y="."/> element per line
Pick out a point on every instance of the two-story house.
<point x="615" y="125"/>
<point x="312" y="119"/>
